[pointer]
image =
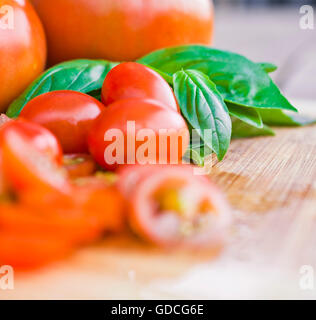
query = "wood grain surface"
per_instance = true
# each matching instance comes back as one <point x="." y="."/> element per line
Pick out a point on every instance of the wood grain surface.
<point x="270" y="183"/>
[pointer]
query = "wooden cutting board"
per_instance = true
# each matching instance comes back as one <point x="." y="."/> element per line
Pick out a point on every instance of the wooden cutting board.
<point x="262" y="177"/>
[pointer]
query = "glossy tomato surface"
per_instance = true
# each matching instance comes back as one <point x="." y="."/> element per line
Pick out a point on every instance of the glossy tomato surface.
<point x="26" y="169"/>
<point x="68" y="114"/>
<point x="133" y="80"/>
<point x="122" y="30"/>
<point x="38" y="136"/>
<point x="138" y="131"/>
<point x="170" y="206"/>
<point x="22" y="49"/>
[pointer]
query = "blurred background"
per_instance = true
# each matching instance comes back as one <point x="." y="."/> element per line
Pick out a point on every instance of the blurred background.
<point x="270" y="31"/>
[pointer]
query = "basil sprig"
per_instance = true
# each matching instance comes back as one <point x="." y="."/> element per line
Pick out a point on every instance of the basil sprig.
<point x="220" y="93"/>
<point x="239" y="80"/>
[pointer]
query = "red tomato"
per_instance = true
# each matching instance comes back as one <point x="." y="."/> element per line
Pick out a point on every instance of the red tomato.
<point x="173" y="207"/>
<point x="41" y="138"/>
<point x="27" y="169"/>
<point x="67" y="222"/>
<point x="2" y="182"/>
<point x="102" y="202"/>
<point x="133" y="80"/>
<point x="22" y="48"/>
<point x="32" y="251"/>
<point x="68" y="114"/>
<point x="122" y="30"/>
<point x="143" y="131"/>
<point x="79" y="165"/>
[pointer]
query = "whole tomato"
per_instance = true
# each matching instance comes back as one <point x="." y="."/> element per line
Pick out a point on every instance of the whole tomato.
<point x="134" y="80"/>
<point x="68" y="114"/>
<point x="122" y="30"/>
<point x="138" y="131"/>
<point x="22" y="48"/>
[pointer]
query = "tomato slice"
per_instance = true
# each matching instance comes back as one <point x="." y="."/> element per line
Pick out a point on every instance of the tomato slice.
<point x="4" y="119"/>
<point x="39" y="137"/>
<point x="103" y="201"/>
<point x="79" y="165"/>
<point x="27" y="169"/>
<point x="173" y="207"/>
<point x="130" y="175"/>
<point x="33" y="251"/>
<point x="68" y="223"/>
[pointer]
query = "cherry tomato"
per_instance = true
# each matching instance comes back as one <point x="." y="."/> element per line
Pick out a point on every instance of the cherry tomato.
<point x="173" y="207"/>
<point x="68" y="114"/>
<point x="79" y="165"/>
<point x="142" y="130"/>
<point x="41" y="138"/>
<point x="133" y="80"/>
<point x="22" y="49"/>
<point x="27" y="169"/>
<point x="122" y="30"/>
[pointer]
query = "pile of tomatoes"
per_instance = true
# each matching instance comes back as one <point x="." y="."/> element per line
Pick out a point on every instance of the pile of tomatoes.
<point x="59" y="191"/>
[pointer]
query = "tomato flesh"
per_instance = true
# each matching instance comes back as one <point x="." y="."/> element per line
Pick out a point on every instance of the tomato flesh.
<point x="172" y="207"/>
<point x="26" y="169"/>
<point x="79" y="165"/>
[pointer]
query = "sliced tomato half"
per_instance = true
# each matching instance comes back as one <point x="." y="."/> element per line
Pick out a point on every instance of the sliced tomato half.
<point x="27" y="169"/>
<point x="173" y="207"/>
<point x="33" y="251"/>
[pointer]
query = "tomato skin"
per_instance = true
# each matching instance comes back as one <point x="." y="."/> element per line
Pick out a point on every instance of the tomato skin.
<point x="133" y="80"/>
<point x="41" y="138"/>
<point x="27" y="169"/>
<point x="79" y="165"/>
<point x="22" y="50"/>
<point x="68" y="114"/>
<point x="146" y="114"/>
<point x="122" y="30"/>
<point x="162" y="228"/>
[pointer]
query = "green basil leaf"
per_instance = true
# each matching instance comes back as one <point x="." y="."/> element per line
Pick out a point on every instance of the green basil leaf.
<point x="238" y="79"/>
<point x="245" y="114"/>
<point x="242" y="129"/>
<point x="274" y="117"/>
<point x="78" y="75"/>
<point x="268" y="67"/>
<point x="204" y="109"/>
<point x="166" y="76"/>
